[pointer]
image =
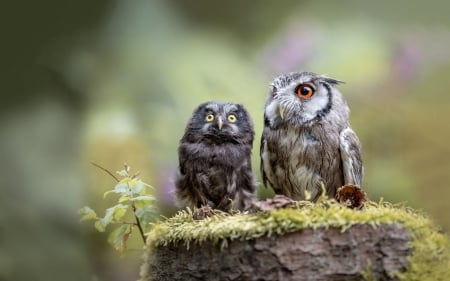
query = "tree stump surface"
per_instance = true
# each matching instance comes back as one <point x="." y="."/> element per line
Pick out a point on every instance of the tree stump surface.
<point x="301" y="241"/>
<point x="308" y="254"/>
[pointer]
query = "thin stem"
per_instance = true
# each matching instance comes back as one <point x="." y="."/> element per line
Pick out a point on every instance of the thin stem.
<point x="138" y="223"/>
<point x="133" y="206"/>
<point x="105" y="170"/>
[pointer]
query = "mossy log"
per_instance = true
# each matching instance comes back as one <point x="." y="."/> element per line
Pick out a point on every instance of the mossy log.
<point x="312" y="242"/>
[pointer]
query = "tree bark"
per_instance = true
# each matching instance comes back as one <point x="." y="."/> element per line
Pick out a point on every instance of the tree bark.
<point x="320" y="254"/>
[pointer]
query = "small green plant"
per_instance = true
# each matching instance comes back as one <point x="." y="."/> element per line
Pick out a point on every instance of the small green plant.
<point x="132" y="198"/>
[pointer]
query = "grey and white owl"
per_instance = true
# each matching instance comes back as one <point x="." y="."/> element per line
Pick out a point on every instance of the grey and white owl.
<point x="214" y="158"/>
<point x="307" y="141"/>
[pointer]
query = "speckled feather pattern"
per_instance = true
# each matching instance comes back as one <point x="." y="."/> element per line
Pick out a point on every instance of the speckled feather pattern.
<point x="312" y="144"/>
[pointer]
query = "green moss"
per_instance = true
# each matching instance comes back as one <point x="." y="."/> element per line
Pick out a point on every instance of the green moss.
<point x="430" y="259"/>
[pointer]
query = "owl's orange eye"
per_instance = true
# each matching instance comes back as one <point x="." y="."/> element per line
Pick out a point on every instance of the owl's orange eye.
<point x="304" y="91"/>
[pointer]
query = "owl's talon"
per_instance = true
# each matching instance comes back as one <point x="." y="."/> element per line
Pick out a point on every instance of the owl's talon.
<point x="203" y="212"/>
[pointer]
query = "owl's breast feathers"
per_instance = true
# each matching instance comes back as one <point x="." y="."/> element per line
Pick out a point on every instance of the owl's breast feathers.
<point x="215" y="174"/>
<point x="299" y="160"/>
<point x="224" y="154"/>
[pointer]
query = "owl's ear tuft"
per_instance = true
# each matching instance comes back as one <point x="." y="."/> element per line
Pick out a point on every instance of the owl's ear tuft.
<point x="331" y="81"/>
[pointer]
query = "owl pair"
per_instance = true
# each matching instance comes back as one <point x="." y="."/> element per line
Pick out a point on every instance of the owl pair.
<point x="306" y="144"/>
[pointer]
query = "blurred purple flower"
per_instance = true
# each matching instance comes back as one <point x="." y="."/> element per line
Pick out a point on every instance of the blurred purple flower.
<point x="167" y="187"/>
<point x="292" y="48"/>
<point x="407" y="61"/>
<point x="421" y="50"/>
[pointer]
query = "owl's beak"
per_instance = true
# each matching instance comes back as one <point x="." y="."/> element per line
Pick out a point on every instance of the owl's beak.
<point x="219" y="122"/>
<point x="281" y="111"/>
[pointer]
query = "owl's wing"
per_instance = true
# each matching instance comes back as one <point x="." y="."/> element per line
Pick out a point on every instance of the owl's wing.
<point x="261" y="166"/>
<point x="351" y="157"/>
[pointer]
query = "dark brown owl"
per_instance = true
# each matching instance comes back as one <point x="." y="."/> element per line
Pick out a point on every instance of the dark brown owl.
<point x="214" y="158"/>
<point x="307" y="141"/>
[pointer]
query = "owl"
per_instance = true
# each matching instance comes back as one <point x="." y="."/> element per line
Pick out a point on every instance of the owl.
<point x="307" y="141"/>
<point x="214" y="158"/>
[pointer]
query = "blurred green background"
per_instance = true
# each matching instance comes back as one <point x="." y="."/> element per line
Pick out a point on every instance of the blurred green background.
<point x="116" y="81"/>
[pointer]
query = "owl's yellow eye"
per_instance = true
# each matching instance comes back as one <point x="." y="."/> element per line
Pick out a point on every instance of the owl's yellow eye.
<point x="304" y="91"/>
<point x="232" y="118"/>
<point x="209" y="118"/>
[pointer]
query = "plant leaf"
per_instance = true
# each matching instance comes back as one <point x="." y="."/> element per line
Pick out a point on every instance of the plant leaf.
<point x="122" y="173"/>
<point x="124" y="199"/>
<point x="87" y="213"/>
<point x="119" y="211"/>
<point x="136" y="186"/>
<point x="108" y="192"/>
<point x="147" y="185"/>
<point x="115" y="212"/>
<point x="119" y="237"/>
<point x="144" y="198"/>
<point x="146" y="215"/>
<point x="99" y="226"/>
<point x="122" y="186"/>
